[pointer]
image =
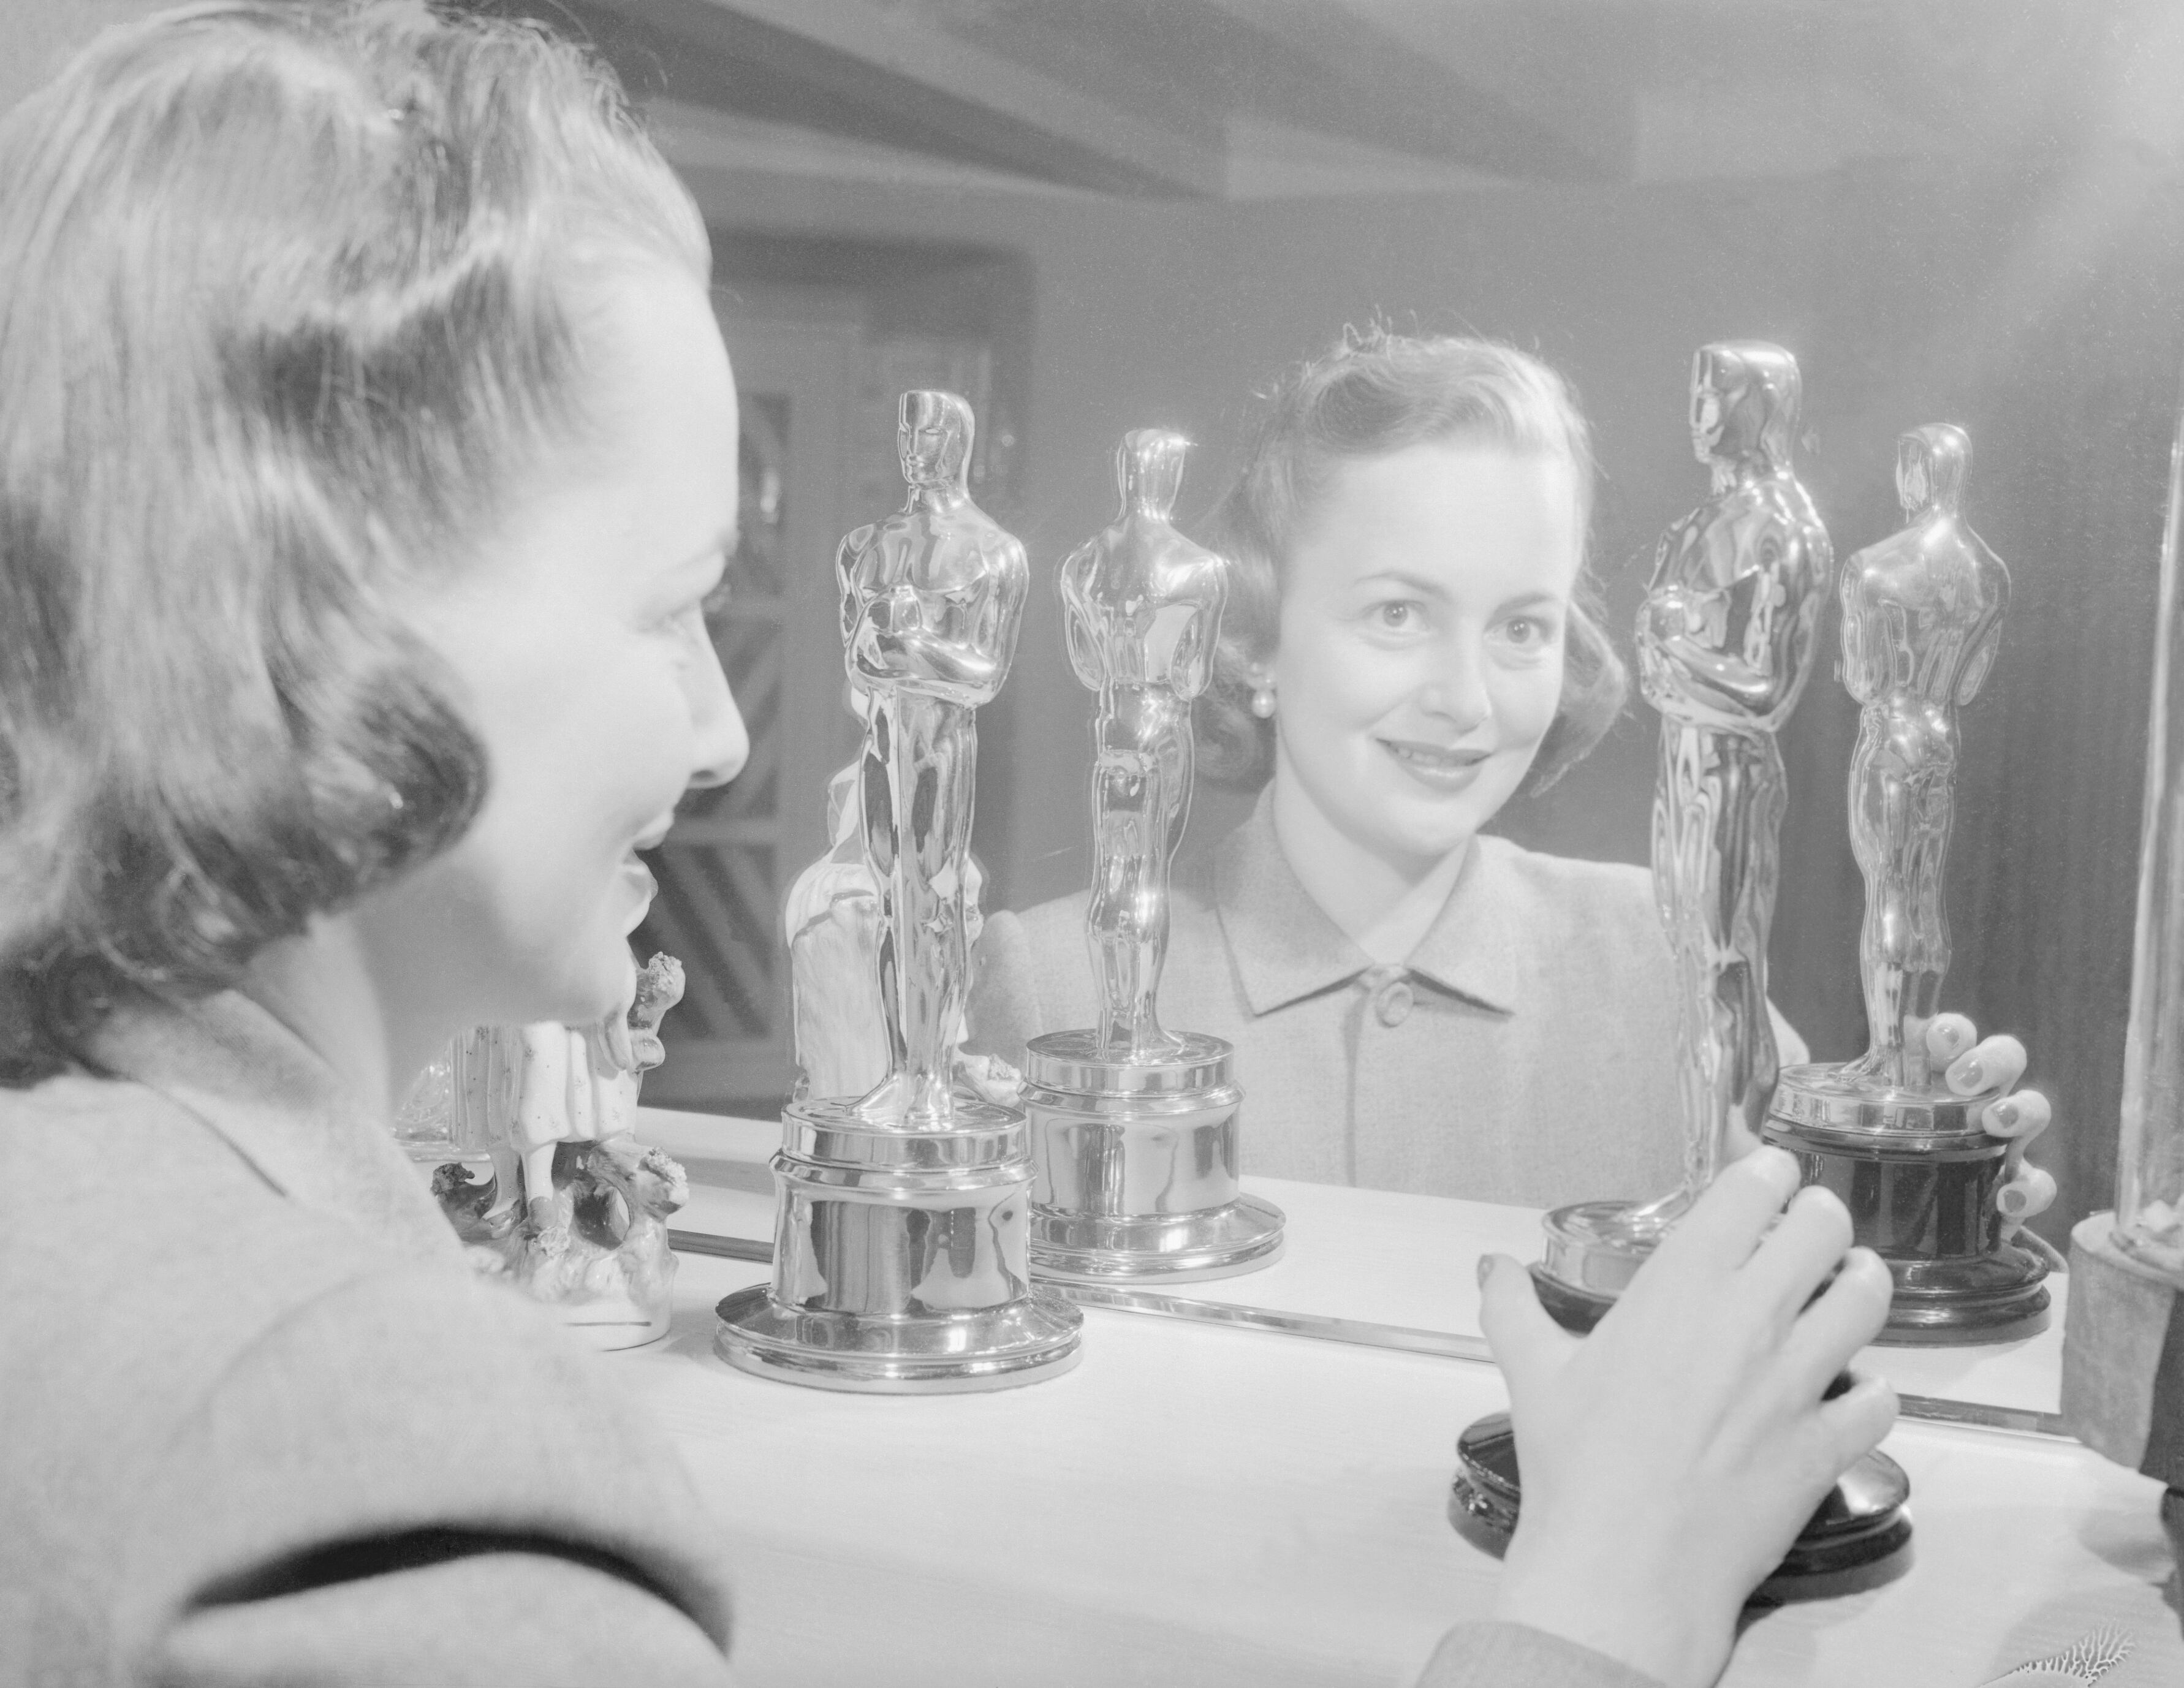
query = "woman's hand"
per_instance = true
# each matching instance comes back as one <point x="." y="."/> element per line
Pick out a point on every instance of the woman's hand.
<point x="1670" y="1457"/>
<point x="1973" y="1068"/>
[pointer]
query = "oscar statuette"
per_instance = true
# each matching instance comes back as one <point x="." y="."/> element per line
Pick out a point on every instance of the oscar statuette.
<point x="1134" y="1128"/>
<point x="1928" y="1190"/>
<point x="902" y="1210"/>
<point x="1725" y="645"/>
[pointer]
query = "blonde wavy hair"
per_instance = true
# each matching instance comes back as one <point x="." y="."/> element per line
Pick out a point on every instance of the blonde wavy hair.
<point x="291" y="297"/>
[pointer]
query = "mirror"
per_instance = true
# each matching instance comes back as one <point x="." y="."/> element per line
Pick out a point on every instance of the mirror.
<point x="1096" y="219"/>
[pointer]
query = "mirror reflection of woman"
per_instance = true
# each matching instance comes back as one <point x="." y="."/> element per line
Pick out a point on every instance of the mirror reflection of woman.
<point x="1411" y="640"/>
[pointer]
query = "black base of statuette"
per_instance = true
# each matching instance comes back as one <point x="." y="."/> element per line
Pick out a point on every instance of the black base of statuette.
<point x="1919" y="1178"/>
<point x="1859" y="1538"/>
<point x="1575" y="1310"/>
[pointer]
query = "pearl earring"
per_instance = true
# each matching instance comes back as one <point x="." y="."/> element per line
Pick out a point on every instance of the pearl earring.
<point x="1262" y="703"/>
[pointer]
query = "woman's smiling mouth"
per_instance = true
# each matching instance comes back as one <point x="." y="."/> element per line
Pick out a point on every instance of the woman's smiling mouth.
<point x="634" y="873"/>
<point x="1444" y="769"/>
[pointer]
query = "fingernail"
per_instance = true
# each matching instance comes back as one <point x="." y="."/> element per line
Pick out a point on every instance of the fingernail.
<point x="1485" y="1270"/>
<point x="1971" y="1075"/>
<point x="2005" y="1114"/>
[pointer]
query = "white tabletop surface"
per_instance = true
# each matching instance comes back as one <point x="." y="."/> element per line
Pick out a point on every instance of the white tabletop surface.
<point x="1198" y="1505"/>
<point x="1363" y="1254"/>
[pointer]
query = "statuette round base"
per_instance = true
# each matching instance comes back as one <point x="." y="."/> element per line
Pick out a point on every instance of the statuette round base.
<point x="1031" y="1338"/>
<point x="899" y="1264"/>
<point x="1859" y="1539"/>
<point x="1134" y="1164"/>
<point x="1594" y="1249"/>
<point x="1086" y="1249"/>
<point x="1919" y="1177"/>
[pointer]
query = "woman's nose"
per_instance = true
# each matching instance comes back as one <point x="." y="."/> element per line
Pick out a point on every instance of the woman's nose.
<point x="721" y="742"/>
<point x="1455" y="688"/>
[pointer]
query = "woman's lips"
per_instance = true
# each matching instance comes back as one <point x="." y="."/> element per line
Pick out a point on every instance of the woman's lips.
<point x="1444" y="769"/>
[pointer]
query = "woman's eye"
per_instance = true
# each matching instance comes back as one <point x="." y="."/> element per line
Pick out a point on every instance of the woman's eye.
<point x="1529" y="632"/>
<point x="1398" y="617"/>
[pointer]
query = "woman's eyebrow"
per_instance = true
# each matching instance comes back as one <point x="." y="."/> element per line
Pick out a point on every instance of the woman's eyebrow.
<point x="1533" y="599"/>
<point x="1420" y="584"/>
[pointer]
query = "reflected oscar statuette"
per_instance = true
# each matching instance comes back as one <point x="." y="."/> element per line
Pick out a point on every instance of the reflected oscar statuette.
<point x="1725" y="644"/>
<point x="1927" y="1187"/>
<point x="1134" y="1127"/>
<point x="902" y="1208"/>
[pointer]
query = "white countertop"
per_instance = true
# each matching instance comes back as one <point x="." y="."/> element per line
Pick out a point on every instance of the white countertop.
<point x="1200" y="1505"/>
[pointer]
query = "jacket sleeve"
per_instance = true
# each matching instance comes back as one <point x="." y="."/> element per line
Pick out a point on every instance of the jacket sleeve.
<point x="1497" y="1655"/>
<point x="413" y="1479"/>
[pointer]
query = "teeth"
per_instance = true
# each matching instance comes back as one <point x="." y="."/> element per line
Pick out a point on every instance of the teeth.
<point x="1434" y="759"/>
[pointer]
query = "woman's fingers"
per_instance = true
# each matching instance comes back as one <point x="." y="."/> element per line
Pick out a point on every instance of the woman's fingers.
<point x="1796" y="1256"/>
<point x="1528" y="1345"/>
<point x="1727" y="1221"/>
<point x="2030" y="1191"/>
<point x="1855" y="1421"/>
<point x="2023" y="1114"/>
<point x="1847" y="1315"/>
<point x="1947" y="1037"/>
<point x="1995" y="1064"/>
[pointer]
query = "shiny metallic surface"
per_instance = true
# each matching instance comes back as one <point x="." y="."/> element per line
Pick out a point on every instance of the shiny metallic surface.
<point x="1072" y="1062"/>
<point x="1136" y="1164"/>
<point x="1030" y="1339"/>
<point x="1242" y="1235"/>
<point x="1922" y="615"/>
<point x="1725" y="648"/>
<point x="1588" y="1249"/>
<point x="1839" y="1104"/>
<point x="900" y="1255"/>
<point x="1141" y="607"/>
<point x="932" y="600"/>
<point x="834" y="1131"/>
<point x="1134" y="1128"/>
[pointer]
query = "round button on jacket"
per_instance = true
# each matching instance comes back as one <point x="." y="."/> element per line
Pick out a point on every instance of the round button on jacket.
<point x="1393" y="1002"/>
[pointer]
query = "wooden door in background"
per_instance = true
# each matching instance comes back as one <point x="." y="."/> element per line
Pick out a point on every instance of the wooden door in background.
<point x="725" y="871"/>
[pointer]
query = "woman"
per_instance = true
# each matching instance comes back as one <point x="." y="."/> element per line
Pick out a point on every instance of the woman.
<point x="1410" y="640"/>
<point x="366" y="455"/>
<point x="364" y="475"/>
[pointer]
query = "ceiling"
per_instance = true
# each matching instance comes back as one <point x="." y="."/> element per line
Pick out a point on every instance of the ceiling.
<point x="1244" y="98"/>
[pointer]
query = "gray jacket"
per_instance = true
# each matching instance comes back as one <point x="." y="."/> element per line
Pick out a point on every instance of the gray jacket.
<point x="1525" y="1054"/>
<point x="259" y="1423"/>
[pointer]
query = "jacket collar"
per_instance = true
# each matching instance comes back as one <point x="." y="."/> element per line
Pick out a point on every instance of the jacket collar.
<point x="1286" y="948"/>
<point x="280" y="1107"/>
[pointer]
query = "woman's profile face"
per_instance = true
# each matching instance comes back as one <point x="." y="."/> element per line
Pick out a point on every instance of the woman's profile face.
<point x="577" y="635"/>
<point x="1420" y="655"/>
